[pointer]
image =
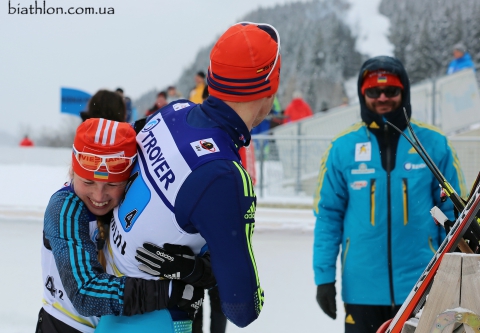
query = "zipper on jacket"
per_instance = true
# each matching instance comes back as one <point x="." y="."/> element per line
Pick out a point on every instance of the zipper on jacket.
<point x="405" y="200"/>
<point x="388" y="152"/>
<point x="373" y="186"/>
<point x="345" y="252"/>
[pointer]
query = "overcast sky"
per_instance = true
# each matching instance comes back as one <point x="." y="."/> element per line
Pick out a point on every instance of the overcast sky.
<point x="145" y="44"/>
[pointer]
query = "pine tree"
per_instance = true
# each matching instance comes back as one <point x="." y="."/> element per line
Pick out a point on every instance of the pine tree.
<point x="317" y="47"/>
<point x="425" y="45"/>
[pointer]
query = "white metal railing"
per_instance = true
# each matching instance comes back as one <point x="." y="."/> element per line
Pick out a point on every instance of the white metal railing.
<point x="450" y="102"/>
<point x="288" y="165"/>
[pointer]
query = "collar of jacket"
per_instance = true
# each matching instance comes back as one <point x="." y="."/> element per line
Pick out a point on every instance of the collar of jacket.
<point x="228" y="120"/>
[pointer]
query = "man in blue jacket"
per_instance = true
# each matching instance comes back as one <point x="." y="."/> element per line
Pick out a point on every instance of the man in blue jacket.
<point x="189" y="188"/>
<point x="373" y="199"/>
<point x="462" y="59"/>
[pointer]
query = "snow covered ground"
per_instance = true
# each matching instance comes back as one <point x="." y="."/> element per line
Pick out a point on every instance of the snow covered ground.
<point x="283" y="259"/>
<point x="282" y="243"/>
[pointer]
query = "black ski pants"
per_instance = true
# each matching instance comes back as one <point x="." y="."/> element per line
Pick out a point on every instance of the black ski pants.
<point x="49" y="324"/>
<point x="367" y="318"/>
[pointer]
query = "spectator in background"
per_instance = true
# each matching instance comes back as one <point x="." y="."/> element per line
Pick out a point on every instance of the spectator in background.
<point x="247" y="156"/>
<point x="159" y="103"/>
<point x="105" y="104"/>
<point x="324" y="106"/>
<point x="265" y="125"/>
<point x="276" y="114"/>
<point x="462" y="59"/>
<point x="297" y="109"/>
<point x="26" y="142"/>
<point x="274" y="119"/>
<point x="373" y="189"/>
<point x="205" y="93"/>
<point x="128" y="105"/>
<point x="197" y="92"/>
<point x="173" y="94"/>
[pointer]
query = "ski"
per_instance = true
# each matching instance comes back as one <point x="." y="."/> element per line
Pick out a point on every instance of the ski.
<point x="473" y="234"/>
<point x="463" y="227"/>
<point x="417" y="145"/>
<point x="416" y="298"/>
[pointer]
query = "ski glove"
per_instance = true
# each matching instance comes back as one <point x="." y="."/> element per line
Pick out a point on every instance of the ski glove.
<point x="187" y="297"/>
<point x="143" y="296"/>
<point x="326" y="299"/>
<point x="175" y="262"/>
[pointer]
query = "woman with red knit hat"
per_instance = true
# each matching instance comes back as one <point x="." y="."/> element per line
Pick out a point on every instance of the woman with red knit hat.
<point x="76" y="289"/>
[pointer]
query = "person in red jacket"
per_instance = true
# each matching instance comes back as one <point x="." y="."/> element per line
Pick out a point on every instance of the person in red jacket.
<point x="247" y="155"/>
<point x="159" y="103"/>
<point x="26" y="142"/>
<point x="297" y="109"/>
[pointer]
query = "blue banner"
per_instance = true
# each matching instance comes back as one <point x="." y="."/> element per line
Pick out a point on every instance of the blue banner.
<point x="73" y="101"/>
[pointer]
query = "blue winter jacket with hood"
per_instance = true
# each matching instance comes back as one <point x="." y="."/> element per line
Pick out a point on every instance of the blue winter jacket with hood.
<point x="373" y="199"/>
<point x="461" y="63"/>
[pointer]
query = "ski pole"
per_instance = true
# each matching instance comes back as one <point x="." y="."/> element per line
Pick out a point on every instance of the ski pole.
<point x="474" y="232"/>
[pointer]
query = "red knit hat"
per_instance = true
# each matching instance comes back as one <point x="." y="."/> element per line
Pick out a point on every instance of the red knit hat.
<point x="245" y="63"/>
<point x="380" y="78"/>
<point x="104" y="150"/>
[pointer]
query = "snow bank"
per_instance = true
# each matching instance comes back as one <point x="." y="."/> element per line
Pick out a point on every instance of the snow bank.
<point x="29" y="176"/>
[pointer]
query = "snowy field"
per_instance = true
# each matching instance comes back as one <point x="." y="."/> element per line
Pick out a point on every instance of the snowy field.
<point x="283" y="258"/>
<point x="282" y="243"/>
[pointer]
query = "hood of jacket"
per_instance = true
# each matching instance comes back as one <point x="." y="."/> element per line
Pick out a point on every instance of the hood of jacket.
<point x="394" y="66"/>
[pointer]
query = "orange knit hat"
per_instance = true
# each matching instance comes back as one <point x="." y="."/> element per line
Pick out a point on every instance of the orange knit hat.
<point x="104" y="150"/>
<point x="245" y="63"/>
<point x="380" y="78"/>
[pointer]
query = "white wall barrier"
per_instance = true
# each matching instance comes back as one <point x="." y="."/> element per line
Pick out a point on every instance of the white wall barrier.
<point x="457" y="101"/>
<point x="287" y="166"/>
<point x="451" y="102"/>
<point x="292" y="168"/>
<point x="422" y="101"/>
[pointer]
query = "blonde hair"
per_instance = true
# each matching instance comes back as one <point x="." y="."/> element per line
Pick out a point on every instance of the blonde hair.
<point x="102" y="237"/>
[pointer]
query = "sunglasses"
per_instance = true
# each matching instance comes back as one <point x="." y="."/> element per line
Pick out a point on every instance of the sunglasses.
<point x="388" y="91"/>
<point x="115" y="163"/>
<point x="269" y="29"/>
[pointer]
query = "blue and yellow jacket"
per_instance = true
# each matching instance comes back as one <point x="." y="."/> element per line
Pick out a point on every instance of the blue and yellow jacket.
<point x="373" y="198"/>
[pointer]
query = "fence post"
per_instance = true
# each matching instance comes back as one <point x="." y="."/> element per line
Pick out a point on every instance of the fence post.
<point x="434" y="104"/>
<point x="298" y="184"/>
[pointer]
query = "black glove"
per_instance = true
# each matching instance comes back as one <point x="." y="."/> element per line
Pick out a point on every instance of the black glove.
<point x="175" y="262"/>
<point x="326" y="299"/>
<point x="187" y="297"/>
<point x="143" y="296"/>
